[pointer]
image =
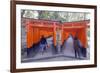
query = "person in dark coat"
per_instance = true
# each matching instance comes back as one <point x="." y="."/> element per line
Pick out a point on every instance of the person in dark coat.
<point x="43" y="44"/>
<point x="77" y="47"/>
<point x="83" y="51"/>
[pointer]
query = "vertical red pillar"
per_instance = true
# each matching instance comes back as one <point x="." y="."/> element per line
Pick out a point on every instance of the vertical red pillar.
<point x="83" y="36"/>
<point x="29" y="35"/>
<point x="54" y="34"/>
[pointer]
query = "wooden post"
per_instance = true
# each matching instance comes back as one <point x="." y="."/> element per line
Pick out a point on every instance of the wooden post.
<point x="54" y="34"/>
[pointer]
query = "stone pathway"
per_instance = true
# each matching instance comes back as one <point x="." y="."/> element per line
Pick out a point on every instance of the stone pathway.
<point x="49" y="55"/>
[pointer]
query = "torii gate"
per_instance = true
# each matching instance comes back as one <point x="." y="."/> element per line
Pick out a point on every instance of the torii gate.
<point x="37" y="28"/>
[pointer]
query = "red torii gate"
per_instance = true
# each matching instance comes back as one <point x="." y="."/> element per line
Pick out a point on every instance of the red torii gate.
<point x="37" y="28"/>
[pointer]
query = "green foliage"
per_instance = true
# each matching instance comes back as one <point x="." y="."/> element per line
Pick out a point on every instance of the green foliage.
<point x="55" y="15"/>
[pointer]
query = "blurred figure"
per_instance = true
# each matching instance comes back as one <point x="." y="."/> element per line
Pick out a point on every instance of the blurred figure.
<point x="77" y="47"/>
<point x="84" y="51"/>
<point x="43" y="44"/>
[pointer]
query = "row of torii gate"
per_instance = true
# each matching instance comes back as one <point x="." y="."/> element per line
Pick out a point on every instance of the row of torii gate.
<point x="37" y="28"/>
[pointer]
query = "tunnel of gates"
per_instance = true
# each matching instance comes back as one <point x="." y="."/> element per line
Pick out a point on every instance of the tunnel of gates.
<point x="37" y="28"/>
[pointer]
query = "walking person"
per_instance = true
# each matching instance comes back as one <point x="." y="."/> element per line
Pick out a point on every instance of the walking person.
<point x="77" y="47"/>
<point x="43" y="44"/>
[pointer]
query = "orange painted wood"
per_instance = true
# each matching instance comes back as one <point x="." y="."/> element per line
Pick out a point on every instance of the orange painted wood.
<point x="54" y="34"/>
<point x="49" y="28"/>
